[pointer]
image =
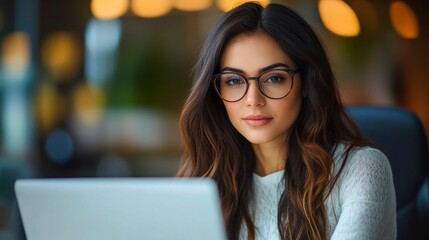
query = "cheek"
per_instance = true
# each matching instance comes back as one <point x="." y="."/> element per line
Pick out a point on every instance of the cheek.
<point x="290" y="108"/>
<point x="231" y="110"/>
<point x="288" y="111"/>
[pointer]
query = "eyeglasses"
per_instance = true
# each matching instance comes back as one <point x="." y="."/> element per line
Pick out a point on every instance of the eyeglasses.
<point x="274" y="84"/>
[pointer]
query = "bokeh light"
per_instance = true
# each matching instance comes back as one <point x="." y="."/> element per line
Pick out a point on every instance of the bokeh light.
<point x="150" y="8"/>
<point x="50" y="106"/>
<point x="59" y="146"/>
<point x="192" y="5"/>
<point x="61" y="55"/>
<point x="226" y="5"/>
<point x="102" y="36"/>
<point x="88" y="103"/>
<point x="15" y="125"/>
<point x="109" y="9"/>
<point x="102" y="39"/>
<point x="16" y="55"/>
<point x="404" y="20"/>
<point x="339" y="18"/>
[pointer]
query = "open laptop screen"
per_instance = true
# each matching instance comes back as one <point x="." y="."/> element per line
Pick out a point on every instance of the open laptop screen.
<point x="129" y="208"/>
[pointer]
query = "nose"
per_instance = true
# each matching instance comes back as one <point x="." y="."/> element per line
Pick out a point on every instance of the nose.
<point x="254" y="97"/>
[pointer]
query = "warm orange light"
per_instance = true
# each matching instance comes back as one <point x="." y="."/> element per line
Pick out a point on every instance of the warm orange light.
<point x="226" y="5"/>
<point x="50" y="106"/>
<point x="151" y="8"/>
<point x="16" y="54"/>
<point x="108" y="9"/>
<point x="339" y="18"/>
<point x="404" y="20"/>
<point x="88" y="103"/>
<point x="192" y="5"/>
<point x="61" y="55"/>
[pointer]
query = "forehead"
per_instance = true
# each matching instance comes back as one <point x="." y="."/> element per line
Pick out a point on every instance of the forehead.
<point x="252" y="52"/>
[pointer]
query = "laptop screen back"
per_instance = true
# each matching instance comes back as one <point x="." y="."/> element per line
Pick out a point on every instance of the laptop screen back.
<point x="113" y="209"/>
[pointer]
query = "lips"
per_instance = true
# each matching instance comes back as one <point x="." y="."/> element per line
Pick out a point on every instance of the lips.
<point x="257" y="120"/>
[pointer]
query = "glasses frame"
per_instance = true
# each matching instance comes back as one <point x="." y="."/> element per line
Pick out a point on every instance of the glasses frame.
<point x="291" y="73"/>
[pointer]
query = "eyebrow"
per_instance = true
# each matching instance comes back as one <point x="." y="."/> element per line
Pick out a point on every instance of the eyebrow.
<point x="269" y="67"/>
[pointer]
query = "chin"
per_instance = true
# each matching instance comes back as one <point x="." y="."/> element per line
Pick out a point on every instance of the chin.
<point x="258" y="140"/>
<point x="264" y="138"/>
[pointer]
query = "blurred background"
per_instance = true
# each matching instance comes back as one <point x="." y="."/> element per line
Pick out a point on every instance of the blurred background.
<point x="94" y="88"/>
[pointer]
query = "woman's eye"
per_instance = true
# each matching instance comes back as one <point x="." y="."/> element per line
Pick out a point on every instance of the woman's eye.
<point x="274" y="79"/>
<point x="234" y="81"/>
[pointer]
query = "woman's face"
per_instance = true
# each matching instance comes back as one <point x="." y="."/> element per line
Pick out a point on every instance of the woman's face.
<point x="259" y="119"/>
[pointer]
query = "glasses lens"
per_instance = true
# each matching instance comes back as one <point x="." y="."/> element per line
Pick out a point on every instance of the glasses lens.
<point x="275" y="83"/>
<point x="230" y="86"/>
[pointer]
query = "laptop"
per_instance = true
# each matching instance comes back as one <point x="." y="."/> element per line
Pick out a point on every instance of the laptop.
<point x="116" y="209"/>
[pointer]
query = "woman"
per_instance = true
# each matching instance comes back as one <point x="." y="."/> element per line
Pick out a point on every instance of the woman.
<point x="264" y="119"/>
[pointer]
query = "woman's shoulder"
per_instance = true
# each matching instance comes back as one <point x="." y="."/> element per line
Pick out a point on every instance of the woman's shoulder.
<point x="363" y="165"/>
<point x="364" y="193"/>
<point x="358" y="155"/>
<point x="363" y="161"/>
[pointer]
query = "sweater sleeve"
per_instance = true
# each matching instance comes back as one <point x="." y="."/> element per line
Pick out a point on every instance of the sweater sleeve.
<point x="367" y="198"/>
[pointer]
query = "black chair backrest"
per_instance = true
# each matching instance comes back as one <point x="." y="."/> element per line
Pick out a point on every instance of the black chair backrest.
<point x="400" y="135"/>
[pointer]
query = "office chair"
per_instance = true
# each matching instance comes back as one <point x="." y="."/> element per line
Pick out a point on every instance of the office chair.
<point x="400" y="135"/>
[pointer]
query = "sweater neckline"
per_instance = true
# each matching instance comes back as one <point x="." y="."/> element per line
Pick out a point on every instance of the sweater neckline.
<point x="272" y="178"/>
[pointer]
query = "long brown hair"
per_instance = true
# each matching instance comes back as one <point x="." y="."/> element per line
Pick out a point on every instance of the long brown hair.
<point x="213" y="148"/>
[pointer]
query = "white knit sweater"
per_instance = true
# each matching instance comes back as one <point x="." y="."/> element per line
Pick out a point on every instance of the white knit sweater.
<point x="362" y="204"/>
